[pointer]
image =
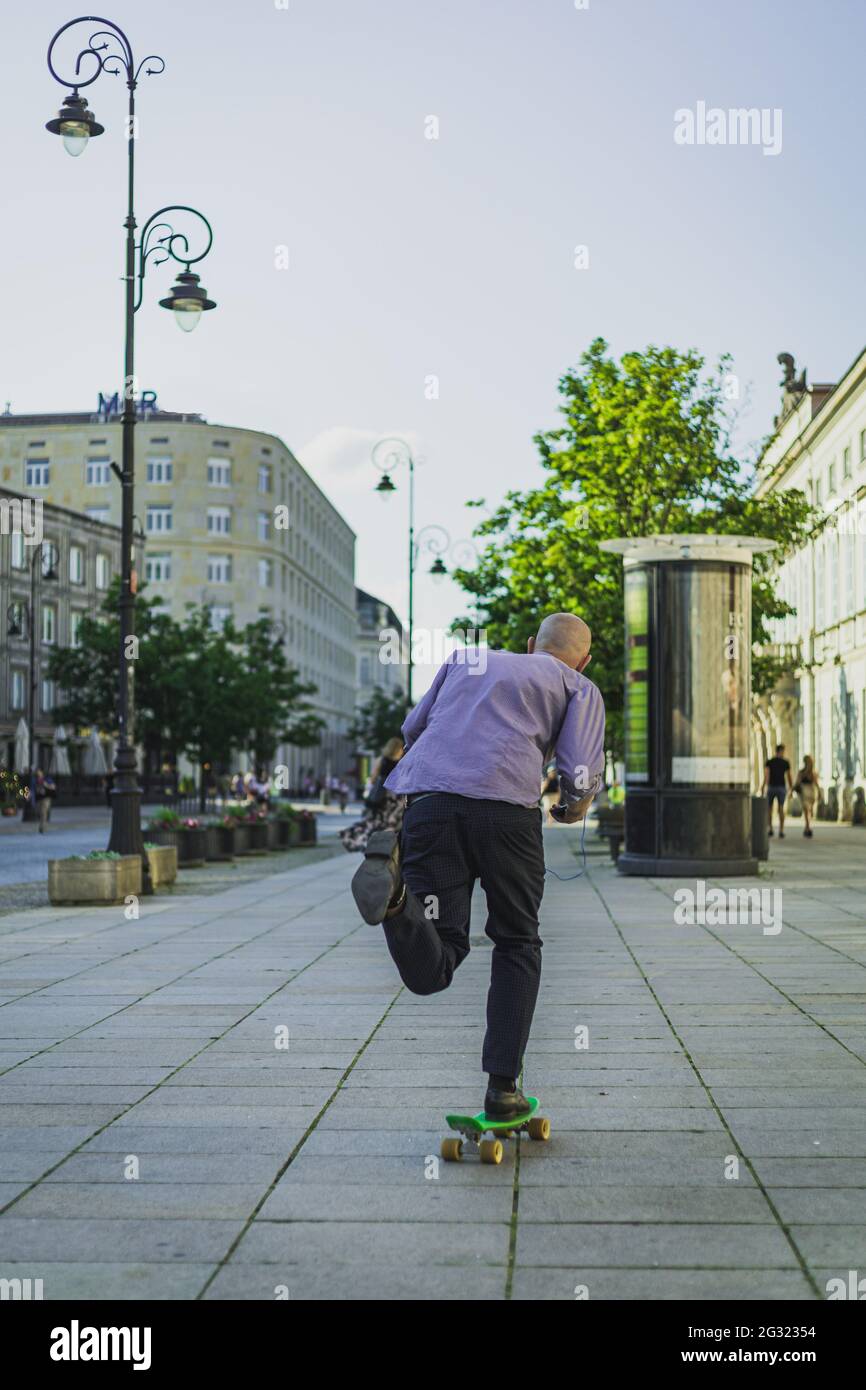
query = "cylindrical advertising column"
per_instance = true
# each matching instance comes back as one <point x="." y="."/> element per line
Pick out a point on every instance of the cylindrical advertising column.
<point x="688" y="602"/>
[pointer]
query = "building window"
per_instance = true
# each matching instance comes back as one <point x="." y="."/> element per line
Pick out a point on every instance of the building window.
<point x="159" y="470"/>
<point x="49" y="696"/>
<point x="263" y="529"/>
<point x="846" y="463"/>
<point x="75" y="628"/>
<point x="266" y="574"/>
<point x="49" y="624"/>
<point x="158" y="519"/>
<point x="98" y="513"/>
<point x="219" y="617"/>
<point x="102" y="572"/>
<point x="37" y="473"/>
<point x="833" y="578"/>
<point x="97" y="472"/>
<point x="18" y="689"/>
<point x="820" y="587"/>
<point x="817" y="489"/>
<point x="219" y="472"/>
<point x="848" y="543"/>
<point x="157" y="569"/>
<point x="219" y="569"/>
<point x="831" y="478"/>
<point x="264" y="477"/>
<point x="76" y="564"/>
<point x="863" y="446"/>
<point x="18" y="561"/>
<point x="219" y="521"/>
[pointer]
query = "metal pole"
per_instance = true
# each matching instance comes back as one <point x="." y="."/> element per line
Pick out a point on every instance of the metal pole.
<point x="126" y="835"/>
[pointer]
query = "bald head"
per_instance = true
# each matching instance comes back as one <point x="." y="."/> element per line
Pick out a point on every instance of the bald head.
<point x="565" y="636"/>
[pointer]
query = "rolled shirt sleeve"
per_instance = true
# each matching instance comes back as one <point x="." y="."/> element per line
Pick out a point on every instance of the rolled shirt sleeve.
<point x="416" y="720"/>
<point x="580" y="746"/>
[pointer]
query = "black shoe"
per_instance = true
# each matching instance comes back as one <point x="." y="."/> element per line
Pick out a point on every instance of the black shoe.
<point x="781" y="834"/>
<point x="770" y="833"/>
<point x="377" y="885"/>
<point x="505" y="1105"/>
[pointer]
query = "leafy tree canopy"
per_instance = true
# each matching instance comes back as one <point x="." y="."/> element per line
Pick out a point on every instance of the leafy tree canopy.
<point x="645" y="448"/>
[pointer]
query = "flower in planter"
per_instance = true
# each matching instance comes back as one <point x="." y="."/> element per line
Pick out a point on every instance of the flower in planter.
<point x="98" y="854"/>
<point x="165" y="819"/>
<point x="191" y="823"/>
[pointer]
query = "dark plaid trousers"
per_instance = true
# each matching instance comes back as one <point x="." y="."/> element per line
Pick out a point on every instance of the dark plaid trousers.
<point x="448" y="842"/>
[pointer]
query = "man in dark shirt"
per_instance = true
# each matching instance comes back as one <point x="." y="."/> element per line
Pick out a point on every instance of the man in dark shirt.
<point x="777" y="785"/>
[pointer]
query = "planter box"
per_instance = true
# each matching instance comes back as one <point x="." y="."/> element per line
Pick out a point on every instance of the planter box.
<point x="191" y="845"/>
<point x="242" y="839"/>
<point x="276" y="839"/>
<point x="163" y="865"/>
<point x="294" y="832"/>
<point x="163" y="835"/>
<point x="220" y="842"/>
<point x="258" y="833"/>
<point x="309" y="831"/>
<point x="100" y="882"/>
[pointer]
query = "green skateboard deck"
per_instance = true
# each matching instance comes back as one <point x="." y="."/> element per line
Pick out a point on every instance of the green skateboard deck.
<point x="475" y="1127"/>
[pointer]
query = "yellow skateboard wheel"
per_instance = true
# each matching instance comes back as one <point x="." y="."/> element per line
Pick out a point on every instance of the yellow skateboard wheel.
<point x="539" y="1127"/>
<point x="490" y="1150"/>
<point x="451" y="1149"/>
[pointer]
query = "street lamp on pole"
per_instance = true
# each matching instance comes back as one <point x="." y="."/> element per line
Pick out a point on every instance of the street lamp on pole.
<point x="109" y="50"/>
<point x="388" y="455"/>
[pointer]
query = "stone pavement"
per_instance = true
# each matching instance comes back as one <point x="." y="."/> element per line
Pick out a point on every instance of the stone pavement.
<point x="708" y="1142"/>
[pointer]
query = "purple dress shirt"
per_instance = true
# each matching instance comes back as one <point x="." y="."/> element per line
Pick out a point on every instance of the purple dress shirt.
<point x="490" y="723"/>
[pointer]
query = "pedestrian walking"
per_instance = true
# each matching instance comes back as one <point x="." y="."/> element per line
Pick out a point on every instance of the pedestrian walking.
<point x="808" y="788"/>
<point x="343" y="797"/>
<point x="44" y="790"/>
<point x="383" y="809"/>
<point x="777" y="785"/>
<point x="476" y="747"/>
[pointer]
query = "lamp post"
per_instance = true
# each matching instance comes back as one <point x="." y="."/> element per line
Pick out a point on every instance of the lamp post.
<point x="388" y="455"/>
<point x="44" y="563"/>
<point x="109" y="50"/>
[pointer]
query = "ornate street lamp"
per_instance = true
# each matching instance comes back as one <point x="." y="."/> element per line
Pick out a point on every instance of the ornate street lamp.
<point x="388" y="455"/>
<point x="108" y="50"/>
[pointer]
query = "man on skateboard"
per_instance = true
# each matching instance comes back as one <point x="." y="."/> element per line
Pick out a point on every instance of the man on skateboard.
<point x="476" y="747"/>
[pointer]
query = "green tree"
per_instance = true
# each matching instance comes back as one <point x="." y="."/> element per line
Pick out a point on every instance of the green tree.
<point x="86" y="675"/>
<point x="198" y="691"/>
<point x="645" y="448"/>
<point x="378" y="719"/>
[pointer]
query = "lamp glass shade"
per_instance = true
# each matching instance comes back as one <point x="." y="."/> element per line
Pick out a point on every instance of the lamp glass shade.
<point x="75" y="137"/>
<point x="187" y="313"/>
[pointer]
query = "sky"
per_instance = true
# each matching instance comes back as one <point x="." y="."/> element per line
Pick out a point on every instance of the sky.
<point x="432" y="290"/>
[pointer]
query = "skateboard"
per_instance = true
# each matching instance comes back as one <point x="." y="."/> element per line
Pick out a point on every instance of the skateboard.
<point x="473" y="1127"/>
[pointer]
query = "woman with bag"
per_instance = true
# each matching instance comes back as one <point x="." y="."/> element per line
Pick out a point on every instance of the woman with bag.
<point x="382" y="809"/>
<point x="809" y="791"/>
